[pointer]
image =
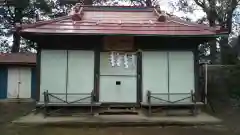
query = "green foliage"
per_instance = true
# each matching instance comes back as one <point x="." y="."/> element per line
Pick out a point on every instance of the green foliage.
<point x="232" y="81"/>
<point x="217" y="12"/>
<point x="44" y="5"/>
<point x="21" y="3"/>
<point x="31" y="11"/>
<point x="4" y="46"/>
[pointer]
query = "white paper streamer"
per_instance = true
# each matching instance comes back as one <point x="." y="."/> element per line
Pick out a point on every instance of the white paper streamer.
<point x="112" y="59"/>
<point x="126" y="61"/>
<point x="118" y="60"/>
<point x="133" y="60"/>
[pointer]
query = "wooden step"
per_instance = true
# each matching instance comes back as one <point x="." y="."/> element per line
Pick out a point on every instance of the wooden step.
<point x="20" y="100"/>
<point x="173" y="112"/>
<point x="120" y="105"/>
<point x="118" y="112"/>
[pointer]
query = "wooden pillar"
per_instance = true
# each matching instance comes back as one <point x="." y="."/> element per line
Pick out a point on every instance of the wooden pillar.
<point x="96" y="71"/>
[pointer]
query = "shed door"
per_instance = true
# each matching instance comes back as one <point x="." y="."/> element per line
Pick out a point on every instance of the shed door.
<point x="25" y="83"/>
<point x="155" y="74"/>
<point x="80" y="74"/>
<point x="19" y="83"/>
<point x="53" y="73"/>
<point x="181" y="74"/>
<point x="117" y="84"/>
<point x="3" y="82"/>
<point x="13" y="82"/>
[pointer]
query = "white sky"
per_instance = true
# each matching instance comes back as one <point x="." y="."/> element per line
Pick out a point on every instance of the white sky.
<point x="168" y="8"/>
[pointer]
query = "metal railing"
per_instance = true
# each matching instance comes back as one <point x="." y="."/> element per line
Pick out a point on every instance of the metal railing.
<point x="168" y="102"/>
<point x="78" y="102"/>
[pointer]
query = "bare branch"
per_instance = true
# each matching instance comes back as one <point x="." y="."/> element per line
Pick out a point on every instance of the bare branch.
<point x="234" y="4"/>
<point x="238" y="2"/>
<point x="201" y="4"/>
<point x="10" y="12"/>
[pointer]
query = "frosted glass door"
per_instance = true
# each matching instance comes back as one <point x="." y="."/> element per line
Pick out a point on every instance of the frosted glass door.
<point x="107" y="69"/>
<point x="53" y="73"/>
<point x="181" y="75"/>
<point x="80" y="74"/>
<point x="117" y="84"/>
<point x="124" y="92"/>
<point x="155" y="74"/>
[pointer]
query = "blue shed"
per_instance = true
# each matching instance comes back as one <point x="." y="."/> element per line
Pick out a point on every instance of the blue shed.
<point x="3" y="82"/>
<point x="17" y="76"/>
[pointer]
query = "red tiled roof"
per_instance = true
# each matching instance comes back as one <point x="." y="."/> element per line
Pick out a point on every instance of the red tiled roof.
<point x="18" y="58"/>
<point x="119" y="20"/>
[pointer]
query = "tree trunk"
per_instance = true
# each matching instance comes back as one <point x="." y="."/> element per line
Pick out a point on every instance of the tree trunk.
<point x="212" y="16"/>
<point x="213" y="46"/>
<point x="16" y="36"/>
<point x="228" y="54"/>
<point x="238" y="47"/>
<point x="88" y="2"/>
<point x="149" y="3"/>
<point x="16" y="42"/>
<point x="213" y="51"/>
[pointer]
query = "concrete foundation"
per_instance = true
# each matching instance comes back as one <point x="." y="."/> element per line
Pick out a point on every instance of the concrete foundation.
<point x="118" y="120"/>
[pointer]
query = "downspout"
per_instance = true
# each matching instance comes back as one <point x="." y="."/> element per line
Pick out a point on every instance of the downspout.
<point x="206" y="80"/>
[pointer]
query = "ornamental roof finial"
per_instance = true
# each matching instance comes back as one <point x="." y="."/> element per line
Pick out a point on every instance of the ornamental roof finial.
<point x="162" y="16"/>
<point x="76" y="11"/>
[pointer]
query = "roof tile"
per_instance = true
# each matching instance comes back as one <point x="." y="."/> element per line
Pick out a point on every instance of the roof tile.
<point x="116" y="20"/>
<point x="18" y="58"/>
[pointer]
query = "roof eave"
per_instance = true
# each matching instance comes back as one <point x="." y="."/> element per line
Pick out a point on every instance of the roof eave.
<point x="29" y="34"/>
<point x="18" y="63"/>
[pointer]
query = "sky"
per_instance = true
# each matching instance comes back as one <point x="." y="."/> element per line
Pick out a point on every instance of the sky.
<point x="166" y="6"/>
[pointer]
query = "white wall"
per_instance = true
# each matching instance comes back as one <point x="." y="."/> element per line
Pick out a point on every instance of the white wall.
<point x="163" y="72"/>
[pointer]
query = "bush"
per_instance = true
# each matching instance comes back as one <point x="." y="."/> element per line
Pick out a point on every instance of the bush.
<point x="233" y="81"/>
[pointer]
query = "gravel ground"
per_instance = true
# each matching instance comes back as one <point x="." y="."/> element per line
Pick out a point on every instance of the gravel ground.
<point x="11" y="111"/>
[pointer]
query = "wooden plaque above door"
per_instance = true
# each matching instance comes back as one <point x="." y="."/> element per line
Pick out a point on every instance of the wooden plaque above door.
<point x="118" y="43"/>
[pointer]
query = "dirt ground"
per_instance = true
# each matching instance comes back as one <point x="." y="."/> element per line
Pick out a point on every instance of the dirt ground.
<point x="11" y="111"/>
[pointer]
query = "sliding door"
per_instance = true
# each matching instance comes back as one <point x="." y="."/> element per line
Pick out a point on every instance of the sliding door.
<point x="53" y="73"/>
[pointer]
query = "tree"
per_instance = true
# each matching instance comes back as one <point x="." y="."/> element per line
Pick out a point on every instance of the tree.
<point x="218" y="12"/>
<point x="147" y="3"/>
<point x="25" y="12"/>
<point x="29" y="11"/>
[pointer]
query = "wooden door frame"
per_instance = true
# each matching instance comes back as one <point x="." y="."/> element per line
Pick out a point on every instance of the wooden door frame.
<point x="97" y="52"/>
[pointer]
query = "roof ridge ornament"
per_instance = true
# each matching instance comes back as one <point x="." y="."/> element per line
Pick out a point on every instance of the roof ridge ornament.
<point x="77" y="11"/>
<point x="162" y="16"/>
